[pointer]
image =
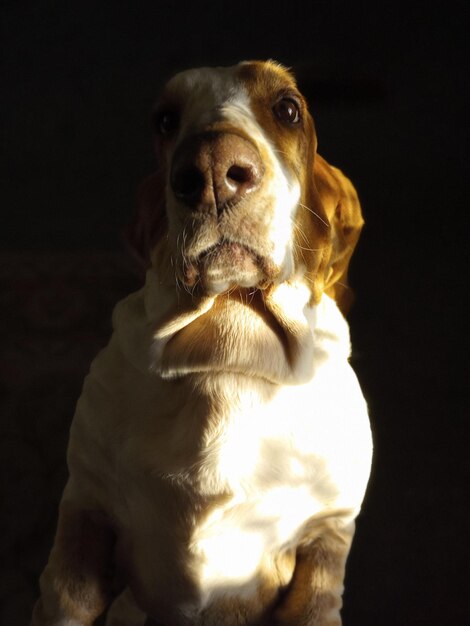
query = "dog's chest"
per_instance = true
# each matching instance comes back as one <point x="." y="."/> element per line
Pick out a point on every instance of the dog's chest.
<point x="211" y="477"/>
<point x="247" y="481"/>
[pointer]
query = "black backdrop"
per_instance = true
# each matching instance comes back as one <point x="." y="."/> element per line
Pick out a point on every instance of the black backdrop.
<point x="386" y="82"/>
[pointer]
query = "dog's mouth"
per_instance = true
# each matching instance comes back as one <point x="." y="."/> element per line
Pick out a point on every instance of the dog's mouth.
<point x="225" y="266"/>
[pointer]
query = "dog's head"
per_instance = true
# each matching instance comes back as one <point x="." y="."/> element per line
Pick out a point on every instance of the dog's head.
<point x="240" y="198"/>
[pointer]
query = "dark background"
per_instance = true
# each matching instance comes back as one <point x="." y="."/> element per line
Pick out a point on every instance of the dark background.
<point x="386" y="82"/>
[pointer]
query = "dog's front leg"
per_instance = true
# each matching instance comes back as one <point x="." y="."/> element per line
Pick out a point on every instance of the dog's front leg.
<point x="313" y="597"/>
<point x="75" y="585"/>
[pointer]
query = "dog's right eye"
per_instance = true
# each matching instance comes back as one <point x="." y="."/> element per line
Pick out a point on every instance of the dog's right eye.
<point x="166" y="122"/>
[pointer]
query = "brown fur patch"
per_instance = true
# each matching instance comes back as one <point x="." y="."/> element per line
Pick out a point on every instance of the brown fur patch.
<point x="78" y="578"/>
<point x="329" y="219"/>
<point x="343" y="210"/>
<point x="314" y="595"/>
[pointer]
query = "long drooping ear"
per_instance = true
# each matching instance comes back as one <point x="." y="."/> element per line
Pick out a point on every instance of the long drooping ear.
<point x="149" y="222"/>
<point x="343" y="210"/>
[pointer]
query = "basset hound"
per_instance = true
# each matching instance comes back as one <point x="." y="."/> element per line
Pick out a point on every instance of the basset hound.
<point x="221" y="447"/>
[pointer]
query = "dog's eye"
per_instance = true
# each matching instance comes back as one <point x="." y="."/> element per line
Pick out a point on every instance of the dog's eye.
<point x="166" y="122"/>
<point x="287" y="110"/>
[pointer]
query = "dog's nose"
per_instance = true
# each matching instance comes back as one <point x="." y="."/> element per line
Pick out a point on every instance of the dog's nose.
<point x="215" y="169"/>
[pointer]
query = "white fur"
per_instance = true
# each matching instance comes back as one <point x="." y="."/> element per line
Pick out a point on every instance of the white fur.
<point x="303" y="451"/>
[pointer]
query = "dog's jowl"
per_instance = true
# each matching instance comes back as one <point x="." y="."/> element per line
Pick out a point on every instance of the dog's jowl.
<point x="221" y="448"/>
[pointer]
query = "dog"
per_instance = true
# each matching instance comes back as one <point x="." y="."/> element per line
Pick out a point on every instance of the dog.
<point x="221" y="447"/>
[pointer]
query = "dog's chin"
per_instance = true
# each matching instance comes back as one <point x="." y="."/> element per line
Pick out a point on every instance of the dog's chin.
<point x="225" y="267"/>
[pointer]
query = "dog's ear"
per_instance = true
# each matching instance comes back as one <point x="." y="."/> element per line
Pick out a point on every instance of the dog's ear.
<point x="343" y="211"/>
<point x="149" y="222"/>
<point x="327" y="225"/>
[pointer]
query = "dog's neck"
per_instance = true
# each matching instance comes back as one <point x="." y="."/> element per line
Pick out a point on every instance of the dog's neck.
<point x="274" y="335"/>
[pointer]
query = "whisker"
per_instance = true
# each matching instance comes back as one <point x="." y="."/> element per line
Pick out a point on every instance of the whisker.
<point x="306" y="239"/>
<point x="308" y="279"/>
<point x="178" y="285"/>
<point x="252" y="296"/>
<point x="301" y="232"/>
<point x="316" y="214"/>
<point x="193" y="290"/>
<point x="309" y="249"/>
<point x="184" y="238"/>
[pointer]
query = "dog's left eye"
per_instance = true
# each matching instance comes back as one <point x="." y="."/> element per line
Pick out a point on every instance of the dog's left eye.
<point x="287" y="110"/>
<point x="166" y="122"/>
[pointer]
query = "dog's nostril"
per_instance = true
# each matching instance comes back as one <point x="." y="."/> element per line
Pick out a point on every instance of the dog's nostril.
<point x="241" y="177"/>
<point x="188" y="183"/>
<point x="239" y="174"/>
